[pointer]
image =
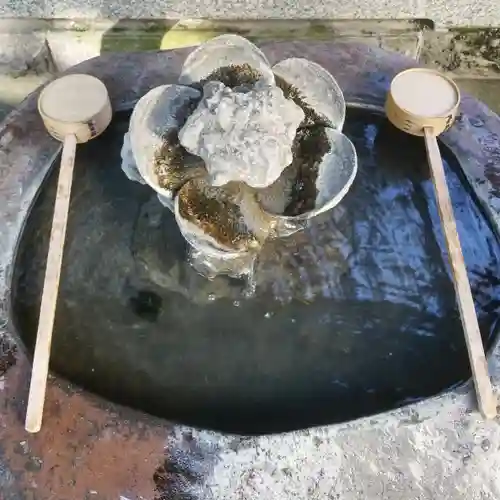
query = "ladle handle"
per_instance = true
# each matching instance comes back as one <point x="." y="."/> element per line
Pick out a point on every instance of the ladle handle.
<point x="485" y="397"/>
<point x="40" y="369"/>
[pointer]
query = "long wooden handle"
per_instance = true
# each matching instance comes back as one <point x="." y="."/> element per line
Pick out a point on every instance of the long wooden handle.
<point x="486" y="399"/>
<point x="40" y="369"/>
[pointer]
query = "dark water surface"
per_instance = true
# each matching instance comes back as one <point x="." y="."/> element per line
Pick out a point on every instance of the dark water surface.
<point x="354" y="316"/>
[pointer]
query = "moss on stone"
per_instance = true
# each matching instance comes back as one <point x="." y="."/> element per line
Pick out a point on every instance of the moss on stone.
<point x="233" y="76"/>
<point x="215" y="212"/>
<point x="464" y="51"/>
<point x="173" y="165"/>
<point x="290" y="92"/>
<point x="309" y="147"/>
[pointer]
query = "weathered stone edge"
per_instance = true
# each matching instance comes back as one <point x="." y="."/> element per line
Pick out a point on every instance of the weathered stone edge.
<point x="62" y="43"/>
<point x="53" y="45"/>
<point x="335" y="26"/>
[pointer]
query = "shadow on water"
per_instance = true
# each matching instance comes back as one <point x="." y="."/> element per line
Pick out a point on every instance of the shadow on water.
<point x="354" y="316"/>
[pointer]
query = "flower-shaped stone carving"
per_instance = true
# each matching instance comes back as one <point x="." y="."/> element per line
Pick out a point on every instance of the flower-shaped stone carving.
<point x="241" y="150"/>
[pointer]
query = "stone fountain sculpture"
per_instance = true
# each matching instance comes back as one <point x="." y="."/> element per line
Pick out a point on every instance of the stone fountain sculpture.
<point x="241" y="151"/>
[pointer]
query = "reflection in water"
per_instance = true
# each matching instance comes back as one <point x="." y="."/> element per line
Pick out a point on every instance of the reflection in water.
<point x="354" y="316"/>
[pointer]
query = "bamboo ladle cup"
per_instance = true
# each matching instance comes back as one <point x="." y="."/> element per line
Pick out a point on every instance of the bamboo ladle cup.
<point x="423" y="102"/>
<point x="74" y="109"/>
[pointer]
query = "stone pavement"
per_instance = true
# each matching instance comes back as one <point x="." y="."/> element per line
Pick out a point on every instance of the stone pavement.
<point x="458" y="12"/>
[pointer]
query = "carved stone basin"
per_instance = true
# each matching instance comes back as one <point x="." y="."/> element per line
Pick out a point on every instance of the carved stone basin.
<point x="352" y="317"/>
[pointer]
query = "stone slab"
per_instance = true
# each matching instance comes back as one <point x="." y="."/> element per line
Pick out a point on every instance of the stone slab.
<point x="461" y="12"/>
<point x="236" y="9"/>
<point x="5" y="109"/>
<point x="463" y="52"/>
<point x="33" y="45"/>
<point x="21" y="53"/>
<point x="72" y="44"/>
<point x="437" y="449"/>
<point x="25" y="8"/>
<point x="443" y="13"/>
<point x="13" y="90"/>
<point x="486" y="90"/>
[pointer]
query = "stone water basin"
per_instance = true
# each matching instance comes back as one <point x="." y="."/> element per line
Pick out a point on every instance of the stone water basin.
<point x="80" y="450"/>
<point x="353" y="317"/>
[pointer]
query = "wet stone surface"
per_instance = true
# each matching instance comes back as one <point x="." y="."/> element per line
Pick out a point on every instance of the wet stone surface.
<point x="352" y="317"/>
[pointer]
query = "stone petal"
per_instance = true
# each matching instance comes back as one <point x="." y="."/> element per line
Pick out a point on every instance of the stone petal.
<point x="130" y="169"/>
<point x="129" y="165"/>
<point x="318" y="89"/>
<point x="336" y="174"/>
<point x="221" y="51"/>
<point x="242" y="265"/>
<point x="154" y="114"/>
<point x="166" y="201"/>
<point x="212" y="237"/>
<point x="200" y="241"/>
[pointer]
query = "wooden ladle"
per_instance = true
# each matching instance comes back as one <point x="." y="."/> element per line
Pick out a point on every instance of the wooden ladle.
<point x="424" y="102"/>
<point x="74" y="109"/>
